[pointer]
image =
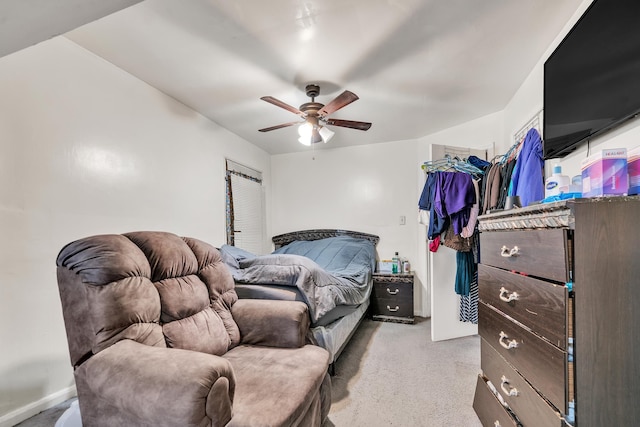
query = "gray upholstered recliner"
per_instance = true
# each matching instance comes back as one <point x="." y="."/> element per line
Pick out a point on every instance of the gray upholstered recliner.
<point x="158" y="337"/>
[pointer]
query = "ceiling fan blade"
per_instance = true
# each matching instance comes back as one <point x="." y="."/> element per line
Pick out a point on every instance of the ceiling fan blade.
<point x="349" y="124"/>
<point x="344" y="99"/>
<point x="278" y="103"/>
<point x="284" y="125"/>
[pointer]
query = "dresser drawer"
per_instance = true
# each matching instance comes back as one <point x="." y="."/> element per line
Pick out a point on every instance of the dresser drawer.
<point x="529" y="407"/>
<point x="540" y="306"/>
<point x="542" y="253"/>
<point x="541" y="363"/>
<point x="489" y="409"/>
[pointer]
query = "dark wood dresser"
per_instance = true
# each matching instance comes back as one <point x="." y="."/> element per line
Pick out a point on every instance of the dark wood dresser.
<point x="392" y="297"/>
<point x="559" y="289"/>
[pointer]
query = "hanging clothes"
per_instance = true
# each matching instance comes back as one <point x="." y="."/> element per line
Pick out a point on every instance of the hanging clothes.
<point x="455" y="241"/>
<point x="478" y="162"/>
<point x="453" y="200"/>
<point x="436" y="224"/>
<point x="492" y="189"/>
<point x="469" y="303"/>
<point x="465" y="271"/>
<point x="469" y="229"/>
<point x="527" y="180"/>
<point x="434" y="244"/>
<point x="505" y="181"/>
<point x="454" y="195"/>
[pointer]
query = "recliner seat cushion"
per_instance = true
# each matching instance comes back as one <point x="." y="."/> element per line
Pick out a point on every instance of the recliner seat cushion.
<point x="277" y="384"/>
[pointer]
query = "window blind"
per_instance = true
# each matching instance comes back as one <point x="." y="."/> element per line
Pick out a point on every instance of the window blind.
<point x="245" y="211"/>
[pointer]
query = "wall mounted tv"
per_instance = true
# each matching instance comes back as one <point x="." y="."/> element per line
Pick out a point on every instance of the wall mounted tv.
<point x="592" y="79"/>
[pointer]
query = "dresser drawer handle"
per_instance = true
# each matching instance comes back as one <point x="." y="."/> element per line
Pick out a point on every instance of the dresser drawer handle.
<point x="393" y="309"/>
<point x="508" y="253"/>
<point x="508" y="298"/>
<point x="394" y="292"/>
<point x="508" y="345"/>
<point x="512" y="391"/>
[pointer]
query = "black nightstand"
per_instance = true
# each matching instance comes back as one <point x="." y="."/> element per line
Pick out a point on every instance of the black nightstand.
<point x="392" y="297"/>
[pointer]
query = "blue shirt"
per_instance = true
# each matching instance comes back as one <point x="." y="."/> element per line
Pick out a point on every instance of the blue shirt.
<point x="527" y="179"/>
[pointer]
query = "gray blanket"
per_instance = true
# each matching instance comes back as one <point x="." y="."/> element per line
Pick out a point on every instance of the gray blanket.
<point x="328" y="272"/>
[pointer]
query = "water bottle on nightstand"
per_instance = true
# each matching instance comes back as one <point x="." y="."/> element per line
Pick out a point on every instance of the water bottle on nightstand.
<point x="395" y="266"/>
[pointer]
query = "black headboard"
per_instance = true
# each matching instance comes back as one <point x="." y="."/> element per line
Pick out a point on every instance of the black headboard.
<point x="286" y="238"/>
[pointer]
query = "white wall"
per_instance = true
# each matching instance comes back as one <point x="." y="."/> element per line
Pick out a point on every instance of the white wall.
<point x="86" y="148"/>
<point x="363" y="188"/>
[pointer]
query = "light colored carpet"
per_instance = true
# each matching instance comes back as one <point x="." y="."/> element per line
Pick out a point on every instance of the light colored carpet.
<point x="390" y="374"/>
<point x="47" y="418"/>
<point x="393" y="375"/>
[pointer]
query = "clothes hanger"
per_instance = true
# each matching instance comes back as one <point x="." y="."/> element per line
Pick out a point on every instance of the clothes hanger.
<point x="441" y="165"/>
<point x="467" y="167"/>
<point x="448" y="164"/>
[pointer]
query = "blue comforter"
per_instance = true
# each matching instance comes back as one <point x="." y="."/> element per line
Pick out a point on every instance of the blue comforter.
<point x="328" y="272"/>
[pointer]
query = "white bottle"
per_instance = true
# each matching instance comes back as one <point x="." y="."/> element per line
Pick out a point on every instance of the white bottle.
<point x="557" y="183"/>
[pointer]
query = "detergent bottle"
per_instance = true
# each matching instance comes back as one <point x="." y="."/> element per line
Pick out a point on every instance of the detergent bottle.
<point x="557" y="183"/>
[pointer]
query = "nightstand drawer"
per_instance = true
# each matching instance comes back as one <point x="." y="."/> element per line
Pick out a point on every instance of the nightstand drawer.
<point x="391" y="307"/>
<point x="543" y="364"/>
<point x="540" y="306"/>
<point x="397" y="291"/>
<point x="489" y="409"/>
<point x="541" y="253"/>
<point x="531" y="409"/>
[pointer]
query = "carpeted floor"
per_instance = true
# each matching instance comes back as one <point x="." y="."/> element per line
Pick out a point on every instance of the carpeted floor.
<point x="47" y="418"/>
<point x="393" y="375"/>
<point x="390" y="374"/>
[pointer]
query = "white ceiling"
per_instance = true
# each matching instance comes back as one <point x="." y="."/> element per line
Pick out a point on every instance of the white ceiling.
<point x="418" y="66"/>
<point x="24" y="23"/>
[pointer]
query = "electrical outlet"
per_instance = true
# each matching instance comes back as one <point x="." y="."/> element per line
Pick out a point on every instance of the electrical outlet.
<point x="403" y="220"/>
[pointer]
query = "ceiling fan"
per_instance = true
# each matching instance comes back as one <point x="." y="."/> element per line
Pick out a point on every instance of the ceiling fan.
<point x="313" y="129"/>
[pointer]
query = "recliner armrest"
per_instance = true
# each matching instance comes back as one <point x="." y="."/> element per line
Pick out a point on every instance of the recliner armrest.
<point x="272" y="323"/>
<point x="144" y="385"/>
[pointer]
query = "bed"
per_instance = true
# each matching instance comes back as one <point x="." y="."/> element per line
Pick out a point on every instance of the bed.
<point x="328" y="269"/>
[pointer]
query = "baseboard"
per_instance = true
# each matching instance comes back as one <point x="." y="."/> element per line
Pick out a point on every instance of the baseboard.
<point x="422" y="313"/>
<point x="34" y="408"/>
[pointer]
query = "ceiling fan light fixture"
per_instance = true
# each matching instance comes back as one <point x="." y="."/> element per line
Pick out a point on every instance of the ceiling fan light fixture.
<point x="309" y="132"/>
<point x="305" y="141"/>
<point x="315" y="115"/>
<point x="326" y="134"/>
<point x="305" y="130"/>
<point x="315" y="135"/>
<point x="312" y="134"/>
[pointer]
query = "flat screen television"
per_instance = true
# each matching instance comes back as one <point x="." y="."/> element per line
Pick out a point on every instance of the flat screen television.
<point x="592" y="79"/>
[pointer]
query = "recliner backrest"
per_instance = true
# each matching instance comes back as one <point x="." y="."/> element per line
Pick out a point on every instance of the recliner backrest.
<point x="152" y="287"/>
